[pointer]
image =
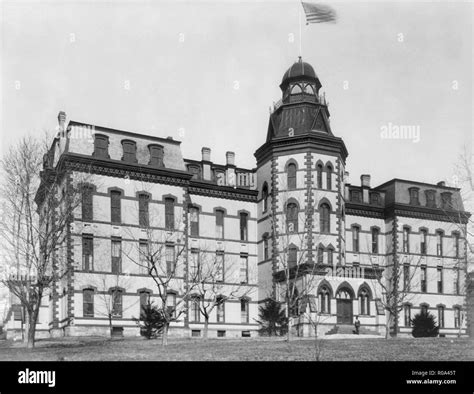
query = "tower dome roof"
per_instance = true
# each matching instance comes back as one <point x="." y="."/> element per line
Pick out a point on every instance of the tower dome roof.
<point x="299" y="69"/>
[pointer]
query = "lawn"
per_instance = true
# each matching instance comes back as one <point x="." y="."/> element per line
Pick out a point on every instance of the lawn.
<point x="251" y="349"/>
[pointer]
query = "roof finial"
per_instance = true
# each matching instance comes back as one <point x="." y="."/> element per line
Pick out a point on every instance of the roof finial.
<point x="299" y="59"/>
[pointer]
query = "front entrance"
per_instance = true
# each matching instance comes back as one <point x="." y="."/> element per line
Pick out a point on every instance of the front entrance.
<point x="344" y="307"/>
<point x="344" y="311"/>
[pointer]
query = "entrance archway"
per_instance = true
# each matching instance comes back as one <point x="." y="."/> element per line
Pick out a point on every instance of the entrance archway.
<point x="344" y="306"/>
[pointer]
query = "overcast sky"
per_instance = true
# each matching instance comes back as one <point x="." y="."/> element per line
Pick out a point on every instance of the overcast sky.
<point x="213" y="69"/>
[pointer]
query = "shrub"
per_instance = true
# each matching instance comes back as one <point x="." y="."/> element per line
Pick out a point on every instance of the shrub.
<point x="151" y="321"/>
<point x="273" y="319"/>
<point x="424" y="325"/>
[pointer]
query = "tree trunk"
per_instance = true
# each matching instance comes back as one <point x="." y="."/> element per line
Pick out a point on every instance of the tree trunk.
<point x="110" y="325"/>
<point x="288" y="331"/>
<point x="206" y="327"/>
<point x="31" y="336"/>
<point x="164" y="337"/>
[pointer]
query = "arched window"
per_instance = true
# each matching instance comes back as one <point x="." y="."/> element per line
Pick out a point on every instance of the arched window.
<point x="324" y="218"/>
<point x="364" y="302"/>
<point x="344" y="294"/>
<point x="88" y="302"/>
<point x="309" y="89"/>
<point x="296" y="89"/>
<point x="324" y="296"/>
<point x="329" y="177"/>
<point x="375" y="239"/>
<point x="116" y="302"/>
<point x="292" y="256"/>
<point x="195" y="313"/>
<point x="291" y="170"/>
<point x="265" y="196"/>
<point x="320" y="255"/>
<point x="244" y="310"/>
<point x="330" y="252"/>
<point x="319" y="176"/>
<point x="292" y="217"/>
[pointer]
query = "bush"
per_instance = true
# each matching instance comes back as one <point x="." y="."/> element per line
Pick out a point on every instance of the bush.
<point x="151" y="321"/>
<point x="273" y="319"/>
<point x="424" y="325"/>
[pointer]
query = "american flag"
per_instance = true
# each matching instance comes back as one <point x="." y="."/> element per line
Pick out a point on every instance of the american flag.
<point x="318" y="13"/>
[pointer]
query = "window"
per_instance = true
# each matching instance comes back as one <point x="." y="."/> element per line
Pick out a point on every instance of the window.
<point x="88" y="302"/>
<point x="319" y="176"/>
<point x="374" y="198"/>
<point x="87" y="210"/>
<point x="220" y="333"/>
<point x="244" y="311"/>
<point x="194" y="220"/>
<point x="430" y="198"/>
<point x="423" y="239"/>
<point x="143" y="261"/>
<point x="446" y="202"/>
<point x="309" y="89"/>
<point x="320" y="255"/>
<point x="116" y="256"/>
<point x="441" y="316"/>
<point x="220" y="309"/>
<point x="170" y="260"/>
<point x="414" y="196"/>
<point x="196" y="171"/>
<point x="171" y="304"/>
<point x="243" y="269"/>
<point x="144" y="300"/>
<point x="424" y="309"/>
<point x="101" y="146"/>
<point x="219" y="224"/>
<point x="292" y="217"/>
<point x="457" y="317"/>
<point x="292" y="256"/>
<point x="439" y="243"/>
<point x="156" y="155"/>
<point x="330" y="256"/>
<point x="375" y="240"/>
<point x="296" y="89"/>
<point x="329" y="177"/>
<point x="456" y="275"/>
<point x="220" y="267"/>
<point x="364" y="302"/>
<point x="407" y="313"/>
<point x="440" y="279"/>
<point x="265" y="197"/>
<point x="129" y="151"/>
<point x="195" y="333"/>
<point x="355" y="238"/>
<point x="324" y="300"/>
<point x="143" y="215"/>
<point x="291" y="170"/>
<point x="115" y="208"/>
<point x="243" y="226"/>
<point x="423" y="279"/>
<point x="169" y="213"/>
<point x="194" y="266"/>
<point x="265" y="248"/>
<point x="324" y="218"/>
<point x="406" y="240"/>
<point x="456" y="244"/>
<point x="406" y="277"/>
<point x="354" y="195"/>
<point x="87" y="253"/>
<point x="195" y="315"/>
<point x="116" y="303"/>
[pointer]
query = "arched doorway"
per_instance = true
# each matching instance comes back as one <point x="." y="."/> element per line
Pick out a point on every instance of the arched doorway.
<point x="344" y="306"/>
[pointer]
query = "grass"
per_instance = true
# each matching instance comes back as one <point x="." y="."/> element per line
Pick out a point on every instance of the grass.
<point x="252" y="349"/>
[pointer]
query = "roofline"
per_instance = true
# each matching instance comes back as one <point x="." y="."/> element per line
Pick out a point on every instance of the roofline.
<point x="416" y="183"/>
<point x="123" y="132"/>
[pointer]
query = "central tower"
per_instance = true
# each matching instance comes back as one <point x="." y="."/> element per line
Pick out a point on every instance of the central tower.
<point x="300" y="173"/>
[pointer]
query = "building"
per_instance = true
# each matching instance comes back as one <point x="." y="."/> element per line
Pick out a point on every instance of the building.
<point x="295" y="209"/>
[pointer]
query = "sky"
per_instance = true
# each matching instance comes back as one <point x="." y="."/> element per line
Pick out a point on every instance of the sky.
<point x="206" y="73"/>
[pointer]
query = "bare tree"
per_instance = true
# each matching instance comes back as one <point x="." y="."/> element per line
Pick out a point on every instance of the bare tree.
<point x="36" y="213"/>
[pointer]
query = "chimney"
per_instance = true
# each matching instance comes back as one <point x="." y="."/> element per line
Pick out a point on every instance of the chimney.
<point x="62" y="120"/>
<point x="206" y="154"/>
<point x="230" y="157"/>
<point x="365" y="180"/>
<point x="441" y="183"/>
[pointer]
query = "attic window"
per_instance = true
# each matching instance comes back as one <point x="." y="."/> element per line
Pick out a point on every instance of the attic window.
<point x="129" y="151"/>
<point x="156" y="155"/>
<point x="446" y="202"/>
<point x="414" y="198"/>
<point x="195" y="170"/>
<point x="375" y="198"/>
<point x="355" y="195"/>
<point x="101" y="146"/>
<point x="430" y="198"/>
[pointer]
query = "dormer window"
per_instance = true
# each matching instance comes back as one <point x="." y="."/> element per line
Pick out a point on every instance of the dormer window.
<point x="430" y="198"/>
<point x="129" y="151"/>
<point x="446" y="202"/>
<point x="355" y="195"/>
<point x="195" y="170"/>
<point x="414" y="196"/>
<point x="156" y="155"/>
<point x="375" y="198"/>
<point x="101" y="146"/>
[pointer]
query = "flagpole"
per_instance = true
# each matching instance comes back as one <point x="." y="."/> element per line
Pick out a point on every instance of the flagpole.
<point x="299" y="17"/>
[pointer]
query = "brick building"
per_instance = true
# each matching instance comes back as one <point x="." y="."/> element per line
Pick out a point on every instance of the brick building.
<point x="295" y="208"/>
